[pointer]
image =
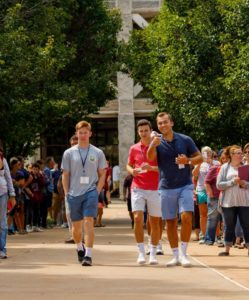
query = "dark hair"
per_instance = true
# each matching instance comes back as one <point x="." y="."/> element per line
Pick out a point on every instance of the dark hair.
<point x="20" y="158"/>
<point x="13" y="161"/>
<point x="164" y="113"/>
<point x="36" y="165"/>
<point x="40" y="162"/>
<point x="49" y="159"/>
<point x="19" y="176"/>
<point x="73" y="138"/>
<point x="1" y="152"/>
<point x="144" y="122"/>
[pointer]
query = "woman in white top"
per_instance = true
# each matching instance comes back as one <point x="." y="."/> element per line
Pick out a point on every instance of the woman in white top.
<point x="235" y="197"/>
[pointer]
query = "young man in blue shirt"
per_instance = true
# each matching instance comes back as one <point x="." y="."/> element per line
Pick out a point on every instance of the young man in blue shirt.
<point x="175" y="153"/>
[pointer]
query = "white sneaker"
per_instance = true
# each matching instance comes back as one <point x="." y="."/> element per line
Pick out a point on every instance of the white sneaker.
<point x="185" y="262"/>
<point x="159" y="249"/>
<point x="29" y="228"/>
<point x="37" y="229"/>
<point x="173" y="262"/>
<point x="153" y="260"/>
<point x="141" y="259"/>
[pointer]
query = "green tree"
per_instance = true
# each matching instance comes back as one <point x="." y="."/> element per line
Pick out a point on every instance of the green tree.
<point x="193" y="58"/>
<point x="57" y="59"/>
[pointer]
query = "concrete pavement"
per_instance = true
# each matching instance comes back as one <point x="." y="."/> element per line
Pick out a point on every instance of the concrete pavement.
<point x="41" y="266"/>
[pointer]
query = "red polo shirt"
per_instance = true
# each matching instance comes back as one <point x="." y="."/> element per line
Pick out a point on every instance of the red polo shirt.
<point x="137" y="156"/>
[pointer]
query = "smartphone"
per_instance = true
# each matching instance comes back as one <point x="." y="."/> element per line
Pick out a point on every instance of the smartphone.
<point x="155" y="134"/>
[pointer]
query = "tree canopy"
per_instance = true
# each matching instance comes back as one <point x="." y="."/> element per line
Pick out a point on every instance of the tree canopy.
<point x="193" y="59"/>
<point x="57" y="60"/>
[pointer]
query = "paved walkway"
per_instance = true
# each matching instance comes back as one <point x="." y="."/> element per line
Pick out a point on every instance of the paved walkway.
<point x="41" y="266"/>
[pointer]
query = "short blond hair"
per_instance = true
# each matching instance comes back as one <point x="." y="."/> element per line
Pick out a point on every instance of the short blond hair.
<point x="83" y="124"/>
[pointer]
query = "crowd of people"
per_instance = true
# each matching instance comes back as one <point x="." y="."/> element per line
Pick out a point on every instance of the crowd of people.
<point x="170" y="182"/>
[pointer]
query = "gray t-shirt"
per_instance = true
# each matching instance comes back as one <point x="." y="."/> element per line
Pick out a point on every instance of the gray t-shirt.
<point x="83" y="180"/>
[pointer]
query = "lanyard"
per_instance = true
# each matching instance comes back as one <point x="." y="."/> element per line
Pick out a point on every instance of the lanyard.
<point x="84" y="161"/>
<point x="142" y="152"/>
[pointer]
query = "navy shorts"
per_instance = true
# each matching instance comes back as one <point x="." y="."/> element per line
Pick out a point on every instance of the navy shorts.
<point x="85" y="205"/>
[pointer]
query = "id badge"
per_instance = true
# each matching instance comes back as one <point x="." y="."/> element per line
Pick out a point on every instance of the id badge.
<point x="84" y="180"/>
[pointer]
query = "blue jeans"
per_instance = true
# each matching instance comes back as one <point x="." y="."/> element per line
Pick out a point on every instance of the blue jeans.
<point x="212" y="220"/>
<point x="230" y="215"/>
<point x="238" y="229"/>
<point x="3" y="222"/>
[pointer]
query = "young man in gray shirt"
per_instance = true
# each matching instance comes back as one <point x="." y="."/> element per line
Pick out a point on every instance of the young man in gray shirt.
<point x="83" y="178"/>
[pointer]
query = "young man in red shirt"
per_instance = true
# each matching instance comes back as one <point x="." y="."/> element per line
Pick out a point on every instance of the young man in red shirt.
<point x="144" y="191"/>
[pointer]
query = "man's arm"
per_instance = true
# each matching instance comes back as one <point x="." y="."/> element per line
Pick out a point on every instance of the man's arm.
<point x="131" y="170"/>
<point x="151" y="153"/>
<point x="194" y="159"/>
<point x="29" y="180"/>
<point x="101" y="181"/>
<point x="65" y="181"/>
<point x="209" y="190"/>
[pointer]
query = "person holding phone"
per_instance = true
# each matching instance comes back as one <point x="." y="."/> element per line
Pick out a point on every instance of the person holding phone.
<point x="175" y="153"/>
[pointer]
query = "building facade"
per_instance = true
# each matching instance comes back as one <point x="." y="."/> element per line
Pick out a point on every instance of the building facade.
<point x="128" y="107"/>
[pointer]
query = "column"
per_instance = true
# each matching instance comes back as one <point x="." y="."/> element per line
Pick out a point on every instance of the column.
<point x="126" y="126"/>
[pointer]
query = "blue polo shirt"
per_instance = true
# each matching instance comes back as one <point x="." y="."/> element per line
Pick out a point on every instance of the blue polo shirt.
<point x="171" y="177"/>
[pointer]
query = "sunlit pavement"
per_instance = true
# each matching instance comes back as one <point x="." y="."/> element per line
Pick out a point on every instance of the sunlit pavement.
<point x="41" y="266"/>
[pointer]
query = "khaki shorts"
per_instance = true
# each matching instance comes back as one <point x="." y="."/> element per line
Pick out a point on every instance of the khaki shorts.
<point x="56" y="202"/>
<point x="141" y="198"/>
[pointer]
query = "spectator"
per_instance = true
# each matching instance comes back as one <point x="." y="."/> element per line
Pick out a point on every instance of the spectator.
<point x="115" y="180"/>
<point x="6" y="191"/>
<point x="46" y="205"/>
<point x="127" y="196"/>
<point x="234" y="200"/>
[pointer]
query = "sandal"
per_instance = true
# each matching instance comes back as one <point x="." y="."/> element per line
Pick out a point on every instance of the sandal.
<point x="239" y="246"/>
<point x="223" y="253"/>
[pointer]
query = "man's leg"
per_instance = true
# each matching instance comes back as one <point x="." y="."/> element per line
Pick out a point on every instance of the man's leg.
<point x="159" y="249"/>
<point x="186" y="209"/>
<point x="155" y="236"/>
<point x="139" y="234"/>
<point x="77" y="236"/>
<point x="77" y="231"/>
<point x="172" y="233"/>
<point x="169" y="202"/>
<point x="89" y="232"/>
<point x="138" y="207"/>
<point x="155" y="214"/>
<point x="186" y="228"/>
<point x="90" y="209"/>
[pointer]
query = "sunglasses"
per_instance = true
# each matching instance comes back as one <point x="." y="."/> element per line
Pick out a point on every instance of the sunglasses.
<point x="238" y="153"/>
